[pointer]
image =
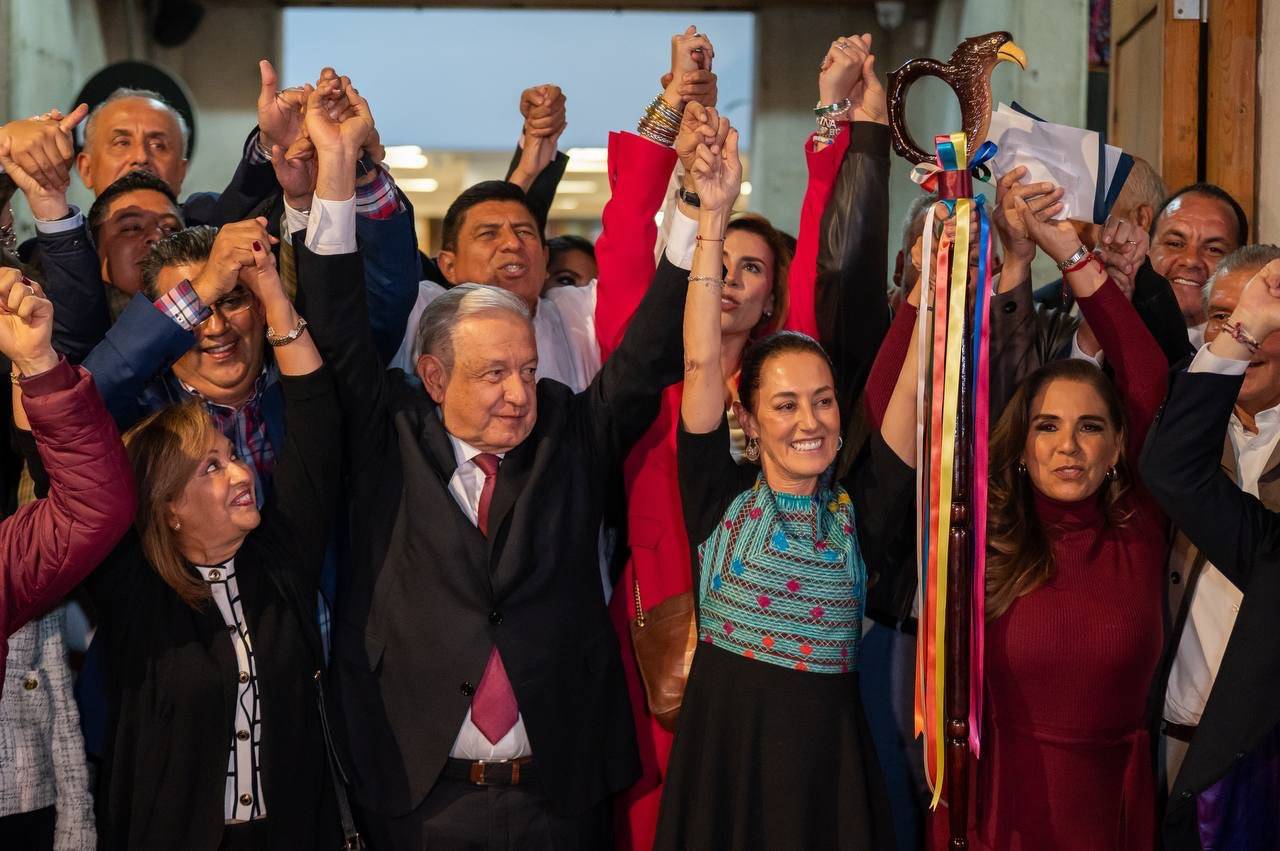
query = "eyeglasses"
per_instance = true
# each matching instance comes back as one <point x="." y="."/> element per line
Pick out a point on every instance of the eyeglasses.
<point x="236" y="302"/>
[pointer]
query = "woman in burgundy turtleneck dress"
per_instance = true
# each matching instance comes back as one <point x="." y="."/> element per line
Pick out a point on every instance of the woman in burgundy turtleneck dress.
<point x="1076" y="552"/>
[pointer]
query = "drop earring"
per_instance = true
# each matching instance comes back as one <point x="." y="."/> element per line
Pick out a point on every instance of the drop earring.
<point x="752" y="452"/>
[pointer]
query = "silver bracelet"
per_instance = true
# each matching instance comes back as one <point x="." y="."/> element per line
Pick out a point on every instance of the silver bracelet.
<point x="707" y="279"/>
<point x="287" y="338"/>
<point x="1073" y="259"/>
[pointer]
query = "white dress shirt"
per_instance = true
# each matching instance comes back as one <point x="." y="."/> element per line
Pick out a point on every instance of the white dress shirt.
<point x="564" y="324"/>
<point x="1215" y="601"/>
<point x="465" y="486"/>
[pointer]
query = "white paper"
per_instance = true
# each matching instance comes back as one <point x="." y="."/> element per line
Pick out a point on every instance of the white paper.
<point x="1066" y="156"/>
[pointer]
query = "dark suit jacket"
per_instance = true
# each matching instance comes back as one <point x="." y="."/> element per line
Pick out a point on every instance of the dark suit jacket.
<point x="428" y="596"/>
<point x="1241" y="721"/>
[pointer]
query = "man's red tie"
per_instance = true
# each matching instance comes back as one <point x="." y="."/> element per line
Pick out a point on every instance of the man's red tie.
<point x="493" y="707"/>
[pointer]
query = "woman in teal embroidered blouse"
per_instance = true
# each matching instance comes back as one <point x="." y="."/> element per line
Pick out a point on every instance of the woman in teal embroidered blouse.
<point x="772" y="750"/>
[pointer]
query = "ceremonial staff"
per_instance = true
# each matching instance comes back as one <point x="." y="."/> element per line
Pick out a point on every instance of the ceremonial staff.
<point x="952" y="418"/>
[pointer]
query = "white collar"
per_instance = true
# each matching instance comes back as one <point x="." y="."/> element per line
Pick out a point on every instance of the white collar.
<point x="464" y="452"/>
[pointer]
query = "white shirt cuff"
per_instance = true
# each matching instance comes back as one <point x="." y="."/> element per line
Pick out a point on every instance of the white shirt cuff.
<point x="1078" y="353"/>
<point x="73" y="220"/>
<point x="682" y="238"/>
<point x="1207" y="361"/>
<point x="295" y="220"/>
<point x="332" y="226"/>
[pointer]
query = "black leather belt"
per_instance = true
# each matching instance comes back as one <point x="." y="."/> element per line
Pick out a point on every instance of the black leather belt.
<point x="1181" y="732"/>
<point x="503" y="772"/>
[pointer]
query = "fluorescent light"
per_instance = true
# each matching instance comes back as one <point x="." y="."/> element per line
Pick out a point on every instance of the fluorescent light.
<point x="746" y="188"/>
<point x="405" y="156"/>
<point x="588" y="160"/>
<point x="577" y="187"/>
<point x="419" y="184"/>
<point x="565" y="204"/>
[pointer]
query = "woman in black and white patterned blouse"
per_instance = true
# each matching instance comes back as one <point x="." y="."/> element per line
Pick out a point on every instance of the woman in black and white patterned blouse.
<point x="208" y="614"/>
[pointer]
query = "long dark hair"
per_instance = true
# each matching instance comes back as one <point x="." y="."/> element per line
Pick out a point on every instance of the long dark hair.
<point x="1019" y="555"/>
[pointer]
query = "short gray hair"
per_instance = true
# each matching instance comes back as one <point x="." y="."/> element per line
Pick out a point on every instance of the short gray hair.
<point x="447" y="310"/>
<point x="144" y="94"/>
<point x="1144" y="185"/>
<point x="1252" y="257"/>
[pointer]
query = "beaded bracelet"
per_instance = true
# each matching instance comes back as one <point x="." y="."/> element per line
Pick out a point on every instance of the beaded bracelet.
<point x="1237" y="332"/>
<point x="833" y="110"/>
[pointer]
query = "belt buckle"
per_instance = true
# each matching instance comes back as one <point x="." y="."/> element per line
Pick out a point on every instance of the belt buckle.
<point x="477" y="770"/>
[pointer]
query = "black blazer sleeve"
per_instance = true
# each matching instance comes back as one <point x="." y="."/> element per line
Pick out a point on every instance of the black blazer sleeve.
<point x="542" y="192"/>
<point x="304" y="496"/>
<point x="339" y="321"/>
<point x="623" y="399"/>
<point x="852" y="303"/>
<point x="251" y="185"/>
<point x="72" y="279"/>
<point x="1155" y="302"/>
<point x="1181" y="466"/>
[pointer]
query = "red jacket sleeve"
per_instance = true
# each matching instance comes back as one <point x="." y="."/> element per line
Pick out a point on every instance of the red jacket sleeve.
<point x="51" y="544"/>
<point x="802" y="278"/>
<point x="639" y="171"/>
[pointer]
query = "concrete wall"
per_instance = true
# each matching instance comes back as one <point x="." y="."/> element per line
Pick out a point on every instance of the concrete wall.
<point x="44" y="68"/>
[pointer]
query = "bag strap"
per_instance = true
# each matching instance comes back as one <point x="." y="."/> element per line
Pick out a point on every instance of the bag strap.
<point x="351" y="840"/>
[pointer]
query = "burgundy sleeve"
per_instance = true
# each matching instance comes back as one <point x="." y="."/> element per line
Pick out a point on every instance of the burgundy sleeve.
<point x="1138" y="361"/>
<point x="888" y="364"/>
<point x="50" y="545"/>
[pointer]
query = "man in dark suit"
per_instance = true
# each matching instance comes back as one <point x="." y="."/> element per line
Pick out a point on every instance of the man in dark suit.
<point x="1226" y="791"/>
<point x="474" y="662"/>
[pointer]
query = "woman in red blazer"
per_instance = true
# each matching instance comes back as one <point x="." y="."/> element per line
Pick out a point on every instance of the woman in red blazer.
<point x="49" y="545"/>
<point x="762" y="295"/>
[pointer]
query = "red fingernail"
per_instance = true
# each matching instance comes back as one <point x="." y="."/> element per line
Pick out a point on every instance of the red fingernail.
<point x="257" y="246"/>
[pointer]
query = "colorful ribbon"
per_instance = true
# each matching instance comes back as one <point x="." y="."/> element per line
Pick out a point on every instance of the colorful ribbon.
<point x="946" y="330"/>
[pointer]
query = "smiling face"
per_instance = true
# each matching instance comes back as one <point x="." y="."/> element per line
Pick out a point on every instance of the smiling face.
<point x="487" y="389"/>
<point x="748" y="285"/>
<point x="217" y="507"/>
<point x="499" y="243"/>
<point x="129" y="134"/>
<point x="227" y="358"/>
<point x="1261" y="388"/>
<point x="1072" y="441"/>
<point x="795" y="418"/>
<point x="134" y="222"/>
<point x="1192" y="234"/>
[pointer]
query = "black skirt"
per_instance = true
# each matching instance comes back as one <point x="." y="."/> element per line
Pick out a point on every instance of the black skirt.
<point x="770" y="758"/>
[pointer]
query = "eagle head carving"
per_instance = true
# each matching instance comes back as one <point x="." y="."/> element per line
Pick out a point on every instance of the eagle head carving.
<point x="968" y="73"/>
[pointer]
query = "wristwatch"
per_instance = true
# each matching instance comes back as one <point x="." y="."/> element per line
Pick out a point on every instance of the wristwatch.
<point x="1074" y="259"/>
<point x="690" y="198"/>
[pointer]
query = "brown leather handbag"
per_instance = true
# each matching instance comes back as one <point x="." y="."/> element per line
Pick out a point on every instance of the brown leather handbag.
<point x="664" y="639"/>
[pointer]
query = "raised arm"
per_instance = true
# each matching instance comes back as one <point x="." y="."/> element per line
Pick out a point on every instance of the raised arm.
<point x="852" y="307"/>
<point x="537" y="166"/>
<point x="840" y="82"/>
<point x="718" y="176"/>
<point x="639" y="171"/>
<point x="1141" y="371"/>
<point x="36" y="154"/>
<point x="1181" y="464"/>
<point x="50" y="545"/>
<point x="331" y="275"/>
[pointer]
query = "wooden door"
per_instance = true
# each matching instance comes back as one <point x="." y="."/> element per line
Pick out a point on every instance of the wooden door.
<point x="1184" y="90"/>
